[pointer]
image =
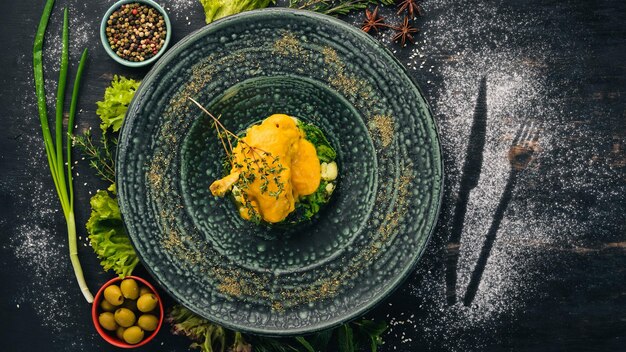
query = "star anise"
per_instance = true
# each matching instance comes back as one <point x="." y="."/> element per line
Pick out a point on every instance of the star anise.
<point x="404" y="32"/>
<point x="373" y="21"/>
<point x="411" y="7"/>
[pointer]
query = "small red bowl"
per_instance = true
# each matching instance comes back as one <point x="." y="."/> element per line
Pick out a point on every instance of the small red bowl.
<point x="110" y="336"/>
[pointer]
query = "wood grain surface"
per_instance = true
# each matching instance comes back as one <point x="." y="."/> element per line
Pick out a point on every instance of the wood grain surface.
<point x="554" y="276"/>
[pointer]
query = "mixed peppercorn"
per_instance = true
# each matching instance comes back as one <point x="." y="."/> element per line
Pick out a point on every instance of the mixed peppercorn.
<point x="136" y="32"/>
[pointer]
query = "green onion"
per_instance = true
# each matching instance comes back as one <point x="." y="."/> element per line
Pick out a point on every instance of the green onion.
<point x="55" y="154"/>
<point x="70" y="123"/>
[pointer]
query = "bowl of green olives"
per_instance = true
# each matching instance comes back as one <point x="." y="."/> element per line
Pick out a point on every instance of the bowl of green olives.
<point x="127" y="312"/>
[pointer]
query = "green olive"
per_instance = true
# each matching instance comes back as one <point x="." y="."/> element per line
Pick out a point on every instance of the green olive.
<point x="147" y="302"/>
<point x="148" y="322"/>
<point x="113" y="294"/>
<point x="125" y="317"/>
<point x="129" y="288"/>
<point x="107" y="321"/>
<point x="133" y="335"/>
<point x="106" y="306"/>
<point x="120" y="332"/>
<point x="143" y="290"/>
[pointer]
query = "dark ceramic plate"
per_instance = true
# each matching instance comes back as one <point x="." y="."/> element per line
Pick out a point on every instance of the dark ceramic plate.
<point x="315" y="275"/>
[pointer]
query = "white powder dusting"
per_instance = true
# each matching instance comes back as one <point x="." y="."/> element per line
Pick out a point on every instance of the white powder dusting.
<point x="184" y="11"/>
<point x="41" y="252"/>
<point x="470" y="40"/>
<point x="38" y="239"/>
<point x="82" y="35"/>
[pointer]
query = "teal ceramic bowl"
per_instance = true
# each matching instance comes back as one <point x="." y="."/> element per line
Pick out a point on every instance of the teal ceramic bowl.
<point x="107" y="47"/>
<point x="280" y="280"/>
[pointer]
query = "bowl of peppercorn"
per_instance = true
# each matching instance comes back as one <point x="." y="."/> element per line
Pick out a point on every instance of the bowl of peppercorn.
<point x="135" y="33"/>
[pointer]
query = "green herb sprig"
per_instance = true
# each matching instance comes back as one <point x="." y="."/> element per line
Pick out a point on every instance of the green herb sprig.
<point x="101" y="156"/>
<point x="54" y="152"/>
<point x="259" y="162"/>
<point x="335" y="7"/>
<point x="111" y="111"/>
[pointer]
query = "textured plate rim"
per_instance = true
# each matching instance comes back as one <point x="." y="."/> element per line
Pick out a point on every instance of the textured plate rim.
<point x="433" y="216"/>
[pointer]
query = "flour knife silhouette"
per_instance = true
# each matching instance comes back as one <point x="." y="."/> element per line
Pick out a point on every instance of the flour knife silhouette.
<point x="469" y="180"/>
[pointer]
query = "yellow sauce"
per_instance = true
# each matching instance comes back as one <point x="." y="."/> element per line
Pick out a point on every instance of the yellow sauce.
<point x="282" y="164"/>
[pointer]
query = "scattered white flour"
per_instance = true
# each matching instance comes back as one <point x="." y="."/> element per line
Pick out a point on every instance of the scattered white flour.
<point x="465" y="49"/>
<point x="184" y="11"/>
<point x="82" y="35"/>
<point x="42" y="254"/>
<point x="471" y="40"/>
<point x="39" y="238"/>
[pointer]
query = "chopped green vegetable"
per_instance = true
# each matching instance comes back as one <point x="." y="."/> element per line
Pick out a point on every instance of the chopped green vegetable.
<point x="216" y="9"/>
<point x="112" y="109"/>
<point x="312" y="203"/>
<point x="325" y="152"/>
<point x="54" y="153"/>
<point x="107" y="234"/>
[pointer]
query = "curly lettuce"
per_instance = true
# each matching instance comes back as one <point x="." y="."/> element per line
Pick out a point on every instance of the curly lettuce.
<point x="108" y="236"/>
<point x="216" y="9"/>
<point x="117" y="96"/>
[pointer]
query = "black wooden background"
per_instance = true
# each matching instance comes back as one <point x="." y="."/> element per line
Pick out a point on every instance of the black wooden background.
<point x="555" y="277"/>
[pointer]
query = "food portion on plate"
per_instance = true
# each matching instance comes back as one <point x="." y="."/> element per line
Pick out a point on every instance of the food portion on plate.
<point x="280" y="278"/>
<point x="281" y="169"/>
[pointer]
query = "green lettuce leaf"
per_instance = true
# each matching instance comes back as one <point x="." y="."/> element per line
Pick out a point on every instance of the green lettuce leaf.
<point x="108" y="236"/>
<point x="112" y="109"/>
<point x="216" y="9"/>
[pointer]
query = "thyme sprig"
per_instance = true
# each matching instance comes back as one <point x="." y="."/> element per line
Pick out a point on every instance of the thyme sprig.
<point x="257" y="162"/>
<point x="101" y="157"/>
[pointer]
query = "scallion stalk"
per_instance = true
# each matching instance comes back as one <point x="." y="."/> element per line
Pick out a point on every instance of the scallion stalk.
<point x="54" y="153"/>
